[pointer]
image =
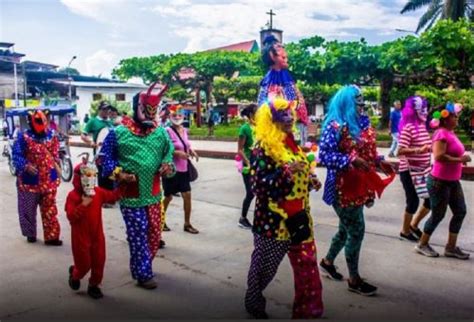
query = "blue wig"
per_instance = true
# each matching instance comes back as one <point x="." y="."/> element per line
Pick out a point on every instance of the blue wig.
<point x="343" y="109"/>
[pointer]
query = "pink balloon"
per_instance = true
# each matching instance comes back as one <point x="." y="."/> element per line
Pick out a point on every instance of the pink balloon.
<point x="434" y="123"/>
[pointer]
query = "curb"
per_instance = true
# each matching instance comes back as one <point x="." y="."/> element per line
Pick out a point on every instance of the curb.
<point x="467" y="172"/>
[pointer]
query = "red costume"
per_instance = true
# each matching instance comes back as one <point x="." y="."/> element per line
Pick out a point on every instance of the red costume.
<point x="87" y="233"/>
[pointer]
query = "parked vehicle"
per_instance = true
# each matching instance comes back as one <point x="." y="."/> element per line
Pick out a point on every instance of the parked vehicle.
<point x="16" y="120"/>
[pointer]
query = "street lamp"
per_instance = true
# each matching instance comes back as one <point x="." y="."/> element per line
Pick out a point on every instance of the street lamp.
<point x="69" y="77"/>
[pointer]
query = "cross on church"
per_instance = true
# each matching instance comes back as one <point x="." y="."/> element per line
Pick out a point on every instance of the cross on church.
<point x="271" y="14"/>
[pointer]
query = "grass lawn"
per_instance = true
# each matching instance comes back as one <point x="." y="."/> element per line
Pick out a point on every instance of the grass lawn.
<point x="231" y="132"/>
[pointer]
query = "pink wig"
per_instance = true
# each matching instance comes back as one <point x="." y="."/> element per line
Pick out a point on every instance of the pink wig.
<point x="409" y="114"/>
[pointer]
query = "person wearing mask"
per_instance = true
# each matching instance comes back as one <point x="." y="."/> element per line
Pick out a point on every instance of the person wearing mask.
<point x="244" y="147"/>
<point x="180" y="182"/>
<point x="395" y="116"/>
<point x="348" y="150"/>
<point x="444" y="183"/>
<point x="282" y="225"/>
<point x="414" y="151"/>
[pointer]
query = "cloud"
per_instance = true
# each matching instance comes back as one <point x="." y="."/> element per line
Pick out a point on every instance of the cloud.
<point x="209" y="24"/>
<point x="101" y="63"/>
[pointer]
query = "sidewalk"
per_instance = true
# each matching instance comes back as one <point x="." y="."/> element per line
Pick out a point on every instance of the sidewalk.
<point x="227" y="150"/>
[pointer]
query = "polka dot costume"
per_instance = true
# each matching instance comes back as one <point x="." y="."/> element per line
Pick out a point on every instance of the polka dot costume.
<point x="266" y="257"/>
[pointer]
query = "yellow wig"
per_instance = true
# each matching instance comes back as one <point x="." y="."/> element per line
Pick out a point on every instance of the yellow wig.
<point x="269" y="135"/>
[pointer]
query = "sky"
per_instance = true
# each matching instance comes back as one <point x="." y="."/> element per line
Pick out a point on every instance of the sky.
<point x="102" y="32"/>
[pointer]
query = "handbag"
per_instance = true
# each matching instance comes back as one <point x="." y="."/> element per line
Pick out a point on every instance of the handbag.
<point x="298" y="227"/>
<point x="192" y="171"/>
<point x="419" y="178"/>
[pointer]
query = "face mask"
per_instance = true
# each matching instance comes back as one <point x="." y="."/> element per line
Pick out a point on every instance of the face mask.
<point x="39" y="122"/>
<point x="177" y="120"/>
<point x="421" y="109"/>
<point x="145" y="115"/>
<point x="89" y="179"/>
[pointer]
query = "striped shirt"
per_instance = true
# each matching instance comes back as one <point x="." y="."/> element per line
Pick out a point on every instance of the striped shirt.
<point x="412" y="139"/>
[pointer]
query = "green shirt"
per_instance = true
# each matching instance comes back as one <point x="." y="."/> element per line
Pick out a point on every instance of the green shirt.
<point x="246" y="132"/>
<point x="143" y="156"/>
<point x="94" y="126"/>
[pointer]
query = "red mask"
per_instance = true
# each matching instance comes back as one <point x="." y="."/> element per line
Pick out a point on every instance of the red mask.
<point x="150" y="101"/>
<point x="38" y="121"/>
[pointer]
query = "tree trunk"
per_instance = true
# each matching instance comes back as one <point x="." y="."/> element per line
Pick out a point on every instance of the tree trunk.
<point x="386" y="85"/>
<point x="198" y="107"/>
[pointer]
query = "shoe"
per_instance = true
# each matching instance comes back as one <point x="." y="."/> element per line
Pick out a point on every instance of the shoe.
<point x="456" y="253"/>
<point x="166" y="228"/>
<point x="416" y="232"/>
<point x="259" y="315"/>
<point x="54" y="242"/>
<point x="95" y="292"/>
<point x="362" y="288"/>
<point x="190" y="229"/>
<point x="31" y="239"/>
<point x="409" y="237"/>
<point x="331" y="271"/>
<point x="74" y="284"/>
<point x="162" y="244"/>
<point x="426" y="250"/>
<point x="148" y="285"/>
<point x="391" y="155"/>
<point x="244" y="223"/>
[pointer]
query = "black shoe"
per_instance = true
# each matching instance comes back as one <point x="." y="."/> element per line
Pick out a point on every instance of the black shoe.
<point x="31" y="239"/>
<point x="162" y="244"/>
<point x="166" y="228"/>
<point x="362" y="288"/>
<point x="409" y="237"/>
<point x="259" y="315"/>
<point x="95" y="292"/>
<point x="74" y="284"/>
<point x="244" y="223"/>
<point x="416" y="232"/>
<point x="148" y="285"/>
<point x="331" y="271"/>
<point x="54" y="242"/>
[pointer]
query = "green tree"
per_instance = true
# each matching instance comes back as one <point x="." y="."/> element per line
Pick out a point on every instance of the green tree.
<point x="447" y="9"/>
<point x="69" y="71"/>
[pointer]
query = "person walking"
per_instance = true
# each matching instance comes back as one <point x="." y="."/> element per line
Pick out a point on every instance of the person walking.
<point x="180" y="182"/>
<point x="444" y="183"/>
<point x="394" y="122"/>
<point x="348" y="150"/>
<point x="414" y="150"/>
<point x="282" y="222"/>
<point x="244" y="147"/>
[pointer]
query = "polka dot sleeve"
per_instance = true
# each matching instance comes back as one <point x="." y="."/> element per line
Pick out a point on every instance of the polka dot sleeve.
<point x="329" y="153"/>
<point x="18" y="153"/>
<point x="109" y="154"/>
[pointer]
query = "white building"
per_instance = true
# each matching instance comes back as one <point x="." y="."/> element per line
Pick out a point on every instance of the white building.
<point x="87" y="92"/>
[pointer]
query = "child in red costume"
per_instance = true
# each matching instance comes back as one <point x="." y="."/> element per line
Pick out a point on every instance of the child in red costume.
<point x="84" y="212"/>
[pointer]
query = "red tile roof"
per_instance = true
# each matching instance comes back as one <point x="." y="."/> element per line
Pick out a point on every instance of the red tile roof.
<point x="241" y="46"/>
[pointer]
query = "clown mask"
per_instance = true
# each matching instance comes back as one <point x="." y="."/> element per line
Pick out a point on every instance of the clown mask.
<point x="421" y="108"/>
<point x="176" y="115"/>
<point x="89" y="178"/>
<point x="38" y="121"/>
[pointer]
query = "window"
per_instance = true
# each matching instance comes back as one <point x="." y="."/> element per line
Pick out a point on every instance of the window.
<point x="120" y="97"/>
<point x="96" y="96"/>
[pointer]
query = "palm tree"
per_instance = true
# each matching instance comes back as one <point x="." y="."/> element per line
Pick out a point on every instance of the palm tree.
<point x="447" y="9"/>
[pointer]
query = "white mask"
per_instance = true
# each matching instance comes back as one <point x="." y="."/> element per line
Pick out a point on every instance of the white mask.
<point x="89" y="179"/>
<point x="177" y="121"/>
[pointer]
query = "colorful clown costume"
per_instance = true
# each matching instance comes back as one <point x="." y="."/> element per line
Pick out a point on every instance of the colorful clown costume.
<point x="39" y="187"/>
<point x="141" y="152"/>
<point x="282" y="222"/>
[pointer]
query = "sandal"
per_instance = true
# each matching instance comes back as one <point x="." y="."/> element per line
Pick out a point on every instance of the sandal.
<point x="190" y="229"/>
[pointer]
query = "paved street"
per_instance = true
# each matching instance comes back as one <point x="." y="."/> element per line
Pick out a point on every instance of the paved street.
<point x="204" y="276"/>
